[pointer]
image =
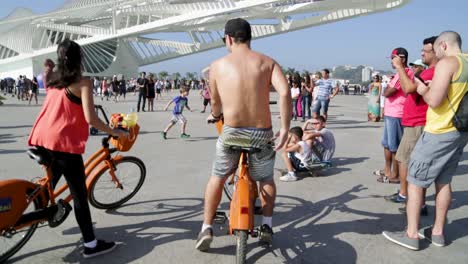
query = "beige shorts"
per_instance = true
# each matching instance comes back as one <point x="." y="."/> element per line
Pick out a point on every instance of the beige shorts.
<point x="408" y="141"/>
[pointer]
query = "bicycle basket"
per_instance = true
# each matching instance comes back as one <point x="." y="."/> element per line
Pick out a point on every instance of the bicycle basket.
<point x="126" y="143"/>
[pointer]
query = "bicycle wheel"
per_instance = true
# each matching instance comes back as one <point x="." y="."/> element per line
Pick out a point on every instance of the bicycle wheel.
<point x="241" y="249"/>
<point x="106" y="194"/>
<point x="229" y="187"/>
<point x="11" y="243"/>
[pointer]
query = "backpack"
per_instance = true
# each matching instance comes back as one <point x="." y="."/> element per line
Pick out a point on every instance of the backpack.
<point x="460" y="119"/>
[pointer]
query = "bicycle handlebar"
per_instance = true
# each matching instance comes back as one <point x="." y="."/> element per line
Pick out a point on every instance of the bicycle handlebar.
<point x="213" y="121"/>
<point x="105" y="140"/>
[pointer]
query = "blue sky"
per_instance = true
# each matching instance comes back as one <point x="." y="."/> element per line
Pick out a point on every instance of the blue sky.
<point x="366" y="40"/>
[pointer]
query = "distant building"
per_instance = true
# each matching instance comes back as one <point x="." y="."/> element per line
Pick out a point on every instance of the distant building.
<point x="367" y="73"/>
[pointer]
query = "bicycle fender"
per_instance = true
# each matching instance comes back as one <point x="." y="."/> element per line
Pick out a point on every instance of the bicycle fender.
<point x="241" y="209"/>
<point x="14" y="200"/>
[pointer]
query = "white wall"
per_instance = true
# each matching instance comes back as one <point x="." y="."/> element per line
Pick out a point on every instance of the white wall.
<point x="17" y="68"/>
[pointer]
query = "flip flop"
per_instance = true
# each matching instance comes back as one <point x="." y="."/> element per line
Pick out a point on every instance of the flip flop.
<point x="379" y="173"/>
<point x="385" y="179"/>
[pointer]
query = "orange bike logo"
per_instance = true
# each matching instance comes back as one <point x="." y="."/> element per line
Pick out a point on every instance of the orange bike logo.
<point x="5" y="205"/>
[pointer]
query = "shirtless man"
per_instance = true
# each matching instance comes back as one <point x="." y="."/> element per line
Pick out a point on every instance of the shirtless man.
<point x="240" y="84"/>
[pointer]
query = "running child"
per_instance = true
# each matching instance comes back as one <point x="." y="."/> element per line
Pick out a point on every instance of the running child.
<point x="180" y="102"/>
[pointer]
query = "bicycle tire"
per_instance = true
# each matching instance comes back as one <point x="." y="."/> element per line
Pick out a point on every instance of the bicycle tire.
<point x="229" y="188"/>
<point x="29" y="231"/>
<point x="96" y="198"/>
<point x="241" y="248"/>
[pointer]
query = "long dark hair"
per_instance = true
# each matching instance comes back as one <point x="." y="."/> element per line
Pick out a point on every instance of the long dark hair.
<point x="69" y="66"/>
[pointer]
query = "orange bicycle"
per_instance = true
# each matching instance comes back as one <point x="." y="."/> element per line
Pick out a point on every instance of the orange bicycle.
<point x="242" y="191"/>
<point x="110" y="182"/>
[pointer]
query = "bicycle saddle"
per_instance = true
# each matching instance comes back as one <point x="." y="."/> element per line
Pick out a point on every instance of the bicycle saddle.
<point x="250" y="150"/>
<point x="40" y="155"/>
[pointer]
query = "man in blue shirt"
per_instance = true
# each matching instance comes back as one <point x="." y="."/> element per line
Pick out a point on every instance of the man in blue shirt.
<point x="180" y="102"/>
<point x="327" y="89"/>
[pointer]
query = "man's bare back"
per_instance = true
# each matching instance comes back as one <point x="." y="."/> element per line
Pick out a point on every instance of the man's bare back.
<point x="243" y="80"/>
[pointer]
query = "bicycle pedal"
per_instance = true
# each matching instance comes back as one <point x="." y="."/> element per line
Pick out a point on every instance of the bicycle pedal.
<point x="258" y="210"/>
<point x="62" y="211"/>
<point x="220" y="218"/>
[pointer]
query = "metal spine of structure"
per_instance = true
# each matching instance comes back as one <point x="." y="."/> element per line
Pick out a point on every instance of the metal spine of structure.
<point x="116" y="34"/>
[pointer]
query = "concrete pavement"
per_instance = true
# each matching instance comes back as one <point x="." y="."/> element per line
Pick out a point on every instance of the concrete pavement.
<point x="335" y="218"/>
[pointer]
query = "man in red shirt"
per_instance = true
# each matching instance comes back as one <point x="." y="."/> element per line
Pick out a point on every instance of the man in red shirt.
<point x="414" y="117"/>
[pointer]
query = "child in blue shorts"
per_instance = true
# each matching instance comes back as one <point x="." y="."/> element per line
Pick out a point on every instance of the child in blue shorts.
<point x="180" y="102"/>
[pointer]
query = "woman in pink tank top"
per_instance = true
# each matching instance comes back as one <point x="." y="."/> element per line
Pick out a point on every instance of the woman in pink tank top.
<point x="61" y="131"/>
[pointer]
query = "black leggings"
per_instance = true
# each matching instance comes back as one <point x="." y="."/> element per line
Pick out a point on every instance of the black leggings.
<point x="71" y="165"/>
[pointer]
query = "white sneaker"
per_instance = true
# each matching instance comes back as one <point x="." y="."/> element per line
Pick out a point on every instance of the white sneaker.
<point x="288" y="177"/>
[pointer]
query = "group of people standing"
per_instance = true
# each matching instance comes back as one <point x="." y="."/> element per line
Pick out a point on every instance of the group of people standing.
<point x="115" y="88"/>
<point x="421" y="143"/>
<point x="23" y="88"/>
<point x="312" y="94"/>
<point x="376" y="103"/>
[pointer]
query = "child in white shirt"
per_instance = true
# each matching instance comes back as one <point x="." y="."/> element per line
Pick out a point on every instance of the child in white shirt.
<point x="296" y="154"/>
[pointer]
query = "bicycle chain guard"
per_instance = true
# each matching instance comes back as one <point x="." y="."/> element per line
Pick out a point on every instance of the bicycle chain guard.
<point x="62" y="212"/>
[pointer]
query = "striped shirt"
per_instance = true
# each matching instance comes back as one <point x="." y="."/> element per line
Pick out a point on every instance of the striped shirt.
<point x="325" y="87"/>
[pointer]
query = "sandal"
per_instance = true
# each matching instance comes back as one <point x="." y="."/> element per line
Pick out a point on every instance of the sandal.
<point x="379" y="173"/>
<point x="385" y="179"/>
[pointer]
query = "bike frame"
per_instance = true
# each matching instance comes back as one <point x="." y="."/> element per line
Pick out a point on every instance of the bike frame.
<point x="242" y="206"/>
<point x="101" y="158"/>
<point x="241" y="212"/>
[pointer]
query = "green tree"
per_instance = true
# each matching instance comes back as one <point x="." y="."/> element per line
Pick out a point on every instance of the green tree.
<point x="189" y="75"/>
<point x="163" y="75"/>
<point x="290" y="71"/>
<point x="283" y="70"/>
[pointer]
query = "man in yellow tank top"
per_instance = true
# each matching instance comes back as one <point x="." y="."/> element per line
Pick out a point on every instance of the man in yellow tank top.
<point x="436" y="155"/>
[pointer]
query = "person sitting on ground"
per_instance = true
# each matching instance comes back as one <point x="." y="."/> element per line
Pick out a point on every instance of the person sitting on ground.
<point x="320" y="138"/>
<point x="296" y="154"/>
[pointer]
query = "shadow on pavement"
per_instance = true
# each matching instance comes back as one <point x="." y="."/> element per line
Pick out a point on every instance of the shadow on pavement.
<point x="150" y="132"/>
<point x="339" y="165"/>
<point x="139" y="238"/>
<point x="11" y="151"/>
<point x="13" y="127"/>
<point x="300" y="238"/>
<point x="300" y="235"/>
<point x="9" y="138"/>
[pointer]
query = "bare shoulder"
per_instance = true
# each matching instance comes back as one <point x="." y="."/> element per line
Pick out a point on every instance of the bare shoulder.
<point x="217" y="64"/>
<point x="85" y="82"/>
<point x="448" y="64"/>
<point x="265" y="59"/>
